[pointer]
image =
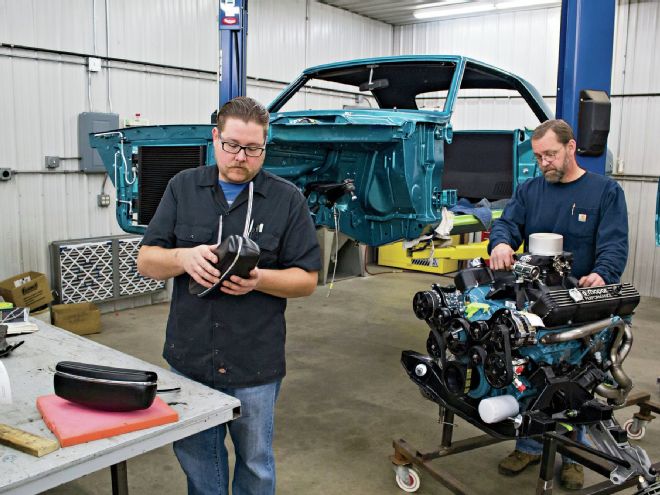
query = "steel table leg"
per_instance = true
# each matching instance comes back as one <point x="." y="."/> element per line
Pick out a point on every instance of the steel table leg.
<point x="119" y="474"/>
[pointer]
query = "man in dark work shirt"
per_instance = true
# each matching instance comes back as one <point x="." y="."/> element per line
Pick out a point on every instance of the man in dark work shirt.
<point x="233" y="338"/>
<point x="589" y="211"/>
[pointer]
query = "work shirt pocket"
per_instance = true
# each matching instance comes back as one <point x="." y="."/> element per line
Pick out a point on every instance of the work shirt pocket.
<point x="192" y="235"/>
<point x="269" y="246"/>
<point x="582" y="222"/>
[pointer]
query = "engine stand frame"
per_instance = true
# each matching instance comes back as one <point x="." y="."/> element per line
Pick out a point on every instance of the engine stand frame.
<point x="406" y="455"/>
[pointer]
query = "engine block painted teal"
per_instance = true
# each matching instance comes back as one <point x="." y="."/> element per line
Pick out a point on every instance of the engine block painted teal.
<point x="572" y="352"/>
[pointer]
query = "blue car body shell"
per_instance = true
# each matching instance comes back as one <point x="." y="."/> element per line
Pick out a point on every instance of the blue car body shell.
<point x="394" y="155"/>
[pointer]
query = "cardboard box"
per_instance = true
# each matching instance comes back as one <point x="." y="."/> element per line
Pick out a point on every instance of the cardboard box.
<point x="79" y="318"/>
<point x="29" y="290"/>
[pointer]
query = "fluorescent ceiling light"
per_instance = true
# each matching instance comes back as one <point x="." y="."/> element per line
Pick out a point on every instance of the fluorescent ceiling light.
<point x="437" y="4"/>
<point x="515" y="4"/>
<point x="454" y="11"/>
<point x="444" y="9"/>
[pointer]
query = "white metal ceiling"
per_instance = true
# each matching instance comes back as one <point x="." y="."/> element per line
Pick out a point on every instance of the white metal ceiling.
<point x="397" y="12"/>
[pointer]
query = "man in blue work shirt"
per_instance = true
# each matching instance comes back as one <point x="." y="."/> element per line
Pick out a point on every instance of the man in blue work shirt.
<point x="589" y="211"/>
<point x="233" y="338"/>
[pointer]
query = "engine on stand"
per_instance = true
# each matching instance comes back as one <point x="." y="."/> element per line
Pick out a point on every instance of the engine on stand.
<point x="528" y="352"/>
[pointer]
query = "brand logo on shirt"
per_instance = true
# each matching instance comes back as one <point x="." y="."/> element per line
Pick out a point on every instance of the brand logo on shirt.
<point x="582" y="217"/>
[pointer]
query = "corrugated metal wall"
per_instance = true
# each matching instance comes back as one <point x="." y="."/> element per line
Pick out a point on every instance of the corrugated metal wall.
<point x="42" y="92"/>
<point x="170" y="52"/>
<point x="287" y="36"/>
<point x="635" y="129"/>
<point x="44" y="85"/>
<point x="527" y="43"/>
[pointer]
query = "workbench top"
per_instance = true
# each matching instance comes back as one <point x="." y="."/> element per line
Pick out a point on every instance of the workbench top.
<point x="31" y="368"/>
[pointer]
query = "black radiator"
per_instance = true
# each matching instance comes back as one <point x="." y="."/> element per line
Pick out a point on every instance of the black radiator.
<point x="156" y="166"/>
<point x="480" y="165"/>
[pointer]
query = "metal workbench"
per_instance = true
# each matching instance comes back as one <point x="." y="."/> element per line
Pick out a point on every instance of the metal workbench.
<point x="31" y="369"/>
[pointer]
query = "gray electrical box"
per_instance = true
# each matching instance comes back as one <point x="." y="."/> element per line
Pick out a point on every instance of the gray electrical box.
<point x="93" y="122"/>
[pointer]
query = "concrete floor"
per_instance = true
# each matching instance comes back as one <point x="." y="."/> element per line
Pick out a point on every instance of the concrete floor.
<point x="346" y="396"/>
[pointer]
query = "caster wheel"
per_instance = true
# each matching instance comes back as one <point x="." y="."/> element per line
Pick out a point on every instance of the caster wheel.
<point x="653" y="489"/>
<point x="634" y="430"/>
<point x="409" y="482"/>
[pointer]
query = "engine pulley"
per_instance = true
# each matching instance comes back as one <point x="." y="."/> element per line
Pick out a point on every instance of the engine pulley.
<point x="498" y="371"/>
<point x="456" y="336"/>
<point x="427" y="304"/>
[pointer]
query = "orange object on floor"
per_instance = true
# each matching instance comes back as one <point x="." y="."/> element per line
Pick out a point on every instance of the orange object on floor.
<point x="73" y="424"/>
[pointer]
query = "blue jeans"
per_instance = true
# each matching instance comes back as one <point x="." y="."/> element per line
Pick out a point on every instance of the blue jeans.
<point x="534" y="447"/>
<point x="203" y="456"/>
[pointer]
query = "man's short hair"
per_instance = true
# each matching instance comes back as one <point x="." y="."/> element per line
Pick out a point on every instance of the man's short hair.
<point x="558" y="126"/>
<point x="246" y="109"/>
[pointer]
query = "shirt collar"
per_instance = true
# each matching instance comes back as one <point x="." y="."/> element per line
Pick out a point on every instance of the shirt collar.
<point x="209" y="177"/>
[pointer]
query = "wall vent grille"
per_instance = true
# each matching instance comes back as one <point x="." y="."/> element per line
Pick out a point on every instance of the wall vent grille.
<point x="99" y="269"/>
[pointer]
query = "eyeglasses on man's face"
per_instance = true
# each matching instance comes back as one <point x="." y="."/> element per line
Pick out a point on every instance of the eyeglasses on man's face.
<point x="548" y="156"/>
<point x="235" y="149"/>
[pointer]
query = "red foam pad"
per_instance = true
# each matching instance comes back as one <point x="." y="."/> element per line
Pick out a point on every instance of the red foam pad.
<point x="73" y="424"/>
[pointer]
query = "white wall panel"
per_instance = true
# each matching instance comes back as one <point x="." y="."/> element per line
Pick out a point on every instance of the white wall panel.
<point x="633" y="139"/>
<point x="263" y="92"/>
<point x="181" y="33"/>
<point x="43" y="99"/>
<point x="643" y="268"/>
<point x="336" y="35"/>
<point x="634" y="132"/>
<point x="636" y="119"/>
<point x="497" y="113"/>
<point x="294" y="34"/>
<point x="277" y="37"/>
<point x="525" y="43"/>
<point x="65" y="25"/>
<point x="42" y="93"/>
<point x="163" y="97"/>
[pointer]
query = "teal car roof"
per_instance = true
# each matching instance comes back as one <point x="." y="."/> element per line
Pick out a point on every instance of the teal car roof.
<point x="397" y="92"/>
<point x="385" y="60"/>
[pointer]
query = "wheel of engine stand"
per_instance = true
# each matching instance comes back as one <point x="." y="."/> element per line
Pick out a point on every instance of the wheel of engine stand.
<point x="653" y="489"/>
<point x="634" y="430"/>
<point x="410" y="482"/>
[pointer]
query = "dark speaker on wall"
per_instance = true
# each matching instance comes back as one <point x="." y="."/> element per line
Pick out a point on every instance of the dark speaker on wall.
<point x="593" y="122"/>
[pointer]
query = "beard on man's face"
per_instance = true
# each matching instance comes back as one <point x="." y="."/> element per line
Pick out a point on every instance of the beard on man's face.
<point x="555" y="174"/>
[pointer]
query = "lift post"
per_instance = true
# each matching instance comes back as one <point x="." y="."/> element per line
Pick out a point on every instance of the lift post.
<point x="233" y="24"/>
<point x="585" y="61"/>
